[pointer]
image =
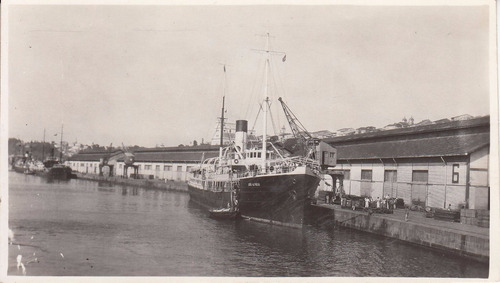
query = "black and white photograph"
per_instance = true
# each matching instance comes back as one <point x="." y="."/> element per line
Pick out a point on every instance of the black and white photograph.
<point x="249" y="141"/>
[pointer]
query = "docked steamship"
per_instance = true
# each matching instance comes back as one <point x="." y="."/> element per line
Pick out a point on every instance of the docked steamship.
<point x="271" y="182"/>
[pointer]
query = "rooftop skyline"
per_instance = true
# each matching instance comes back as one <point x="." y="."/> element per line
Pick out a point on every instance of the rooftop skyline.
<point x="150" y="75"/>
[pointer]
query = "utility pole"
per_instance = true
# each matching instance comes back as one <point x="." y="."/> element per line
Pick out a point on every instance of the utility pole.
<point x="43" y="146"/>
<point x="61" y="145"/>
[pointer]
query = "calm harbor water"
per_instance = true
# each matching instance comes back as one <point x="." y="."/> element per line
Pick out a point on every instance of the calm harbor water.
<point x="85" y="228"/>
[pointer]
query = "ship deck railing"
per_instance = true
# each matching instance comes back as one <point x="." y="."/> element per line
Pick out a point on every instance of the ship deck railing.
<point x="282" y="167"/>
<point x="212" y="185"/>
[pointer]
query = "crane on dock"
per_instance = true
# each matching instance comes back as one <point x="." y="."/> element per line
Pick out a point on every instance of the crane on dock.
<point x="304" y="141"/>
<point x="306" y="144"/>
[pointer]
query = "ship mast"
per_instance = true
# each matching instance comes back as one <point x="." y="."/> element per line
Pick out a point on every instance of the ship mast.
<point x="222" y="124"/>
<point x="265" y="103"/>
<point x="266" y="99"/>
<point x="222" y="115"/>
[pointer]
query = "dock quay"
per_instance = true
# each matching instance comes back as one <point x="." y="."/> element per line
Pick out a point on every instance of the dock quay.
<point x="462" y="239"/>
<point x="169" y="185"/>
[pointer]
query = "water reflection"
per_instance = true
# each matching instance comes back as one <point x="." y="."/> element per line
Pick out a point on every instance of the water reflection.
<point x="52" y="180"/>
<point x="166" y="234"/>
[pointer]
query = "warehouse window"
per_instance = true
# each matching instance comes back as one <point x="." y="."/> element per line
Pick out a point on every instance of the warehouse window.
<point x="455" y="175"/>
<point x="366" y="175"/>
<point x="420" y="176"/>
<point x="147" y="167"/>
<point x="167" y="168"/>
<point x="157" y="167"/>
<point x="391" y="176"/>
<point x="179" y="168"/>
<point x="347" y="174"/>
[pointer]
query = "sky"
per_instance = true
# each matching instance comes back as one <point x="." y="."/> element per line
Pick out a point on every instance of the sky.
<point x="151" y="75"/>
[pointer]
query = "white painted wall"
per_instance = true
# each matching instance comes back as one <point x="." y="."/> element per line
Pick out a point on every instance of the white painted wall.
<point x="441" y="190"/>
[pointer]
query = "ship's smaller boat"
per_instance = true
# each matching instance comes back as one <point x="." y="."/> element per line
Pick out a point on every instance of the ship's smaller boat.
<point x="224" y="213"/>
<point x="231" y="212"/>
<point x="23" y="165"/>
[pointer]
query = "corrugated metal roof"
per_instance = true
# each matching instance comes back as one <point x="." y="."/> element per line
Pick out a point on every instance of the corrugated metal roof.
<point x="416" y="130"/>
<point x="174" y="156"/>
<point x="94" y="156"/>
<point x="152" y="156"/>
<point x="427" y="147"/>
<point x="179" y="149"/>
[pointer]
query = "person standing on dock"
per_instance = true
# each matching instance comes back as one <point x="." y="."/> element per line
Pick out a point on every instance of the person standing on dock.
<point x="407" y="214"/>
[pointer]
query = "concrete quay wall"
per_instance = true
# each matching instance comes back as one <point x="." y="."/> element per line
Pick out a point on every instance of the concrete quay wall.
<point x="144" y="183"/>
<point x="463" y="243"/>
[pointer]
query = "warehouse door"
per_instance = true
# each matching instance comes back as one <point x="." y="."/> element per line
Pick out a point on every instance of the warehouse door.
<point x="366" y="183"/>
<point x="419" y="187"/>
<point x="157" y="171"/>
<point x="179" y="172"/>
<point x="390" y="179"/>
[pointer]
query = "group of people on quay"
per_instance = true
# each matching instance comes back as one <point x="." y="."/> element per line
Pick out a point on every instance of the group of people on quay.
<point x="387" y="202"/>
<point x="384" y="205"/>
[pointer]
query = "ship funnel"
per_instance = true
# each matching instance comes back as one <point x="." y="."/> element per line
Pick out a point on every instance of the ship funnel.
<point x="240" y="138"/>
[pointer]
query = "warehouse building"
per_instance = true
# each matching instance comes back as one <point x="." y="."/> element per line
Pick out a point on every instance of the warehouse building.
<point x="440" y="165"/>
<point x="172" y="163"/>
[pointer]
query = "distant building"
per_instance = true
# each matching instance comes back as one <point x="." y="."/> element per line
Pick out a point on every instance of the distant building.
<point x="229" y="131"/>
<point x="445" y="120"/>
<point x="363" y="130"/>
<point x="403" y="124"/>
<point x="323" y="134"/>
<point x="394" y="126"/>
<point x="346" y="131"/>
<point x="461" y="117"/>
<point x="285" y="136"/>
<point x="424" y="123"/>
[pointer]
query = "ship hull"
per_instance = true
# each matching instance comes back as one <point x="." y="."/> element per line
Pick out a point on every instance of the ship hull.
<point x="56" y="173"/>
<point x="277" y="199"/>
<point x="209" y="199"/>
<point x="18" y="169"/>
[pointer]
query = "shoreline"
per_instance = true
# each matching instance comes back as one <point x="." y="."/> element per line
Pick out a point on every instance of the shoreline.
<point x="168" y="185"/>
